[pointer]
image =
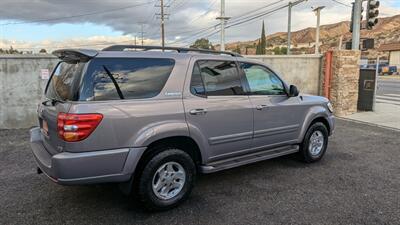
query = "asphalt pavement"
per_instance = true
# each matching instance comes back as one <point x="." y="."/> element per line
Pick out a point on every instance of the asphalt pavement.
<point x="357" y="182"/>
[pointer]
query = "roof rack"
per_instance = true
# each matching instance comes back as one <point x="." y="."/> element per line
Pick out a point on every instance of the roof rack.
<point x="178" y="49"/>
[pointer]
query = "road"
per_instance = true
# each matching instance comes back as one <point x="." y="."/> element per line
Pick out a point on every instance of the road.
<point x="357" y="182"/>
<point x="388" y="91"/>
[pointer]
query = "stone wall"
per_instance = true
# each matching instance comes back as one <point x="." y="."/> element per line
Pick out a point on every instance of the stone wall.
<point x="344" y="81"/>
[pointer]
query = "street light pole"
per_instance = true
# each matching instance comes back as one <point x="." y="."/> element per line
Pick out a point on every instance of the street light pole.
<point x="223" y="19"/>
<point x="289" y="34"/>
<point x="318" y="13"/>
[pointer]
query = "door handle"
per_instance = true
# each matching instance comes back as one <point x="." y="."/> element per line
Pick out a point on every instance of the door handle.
<point x="260" y="107"/>
<point x="198" y="111"/>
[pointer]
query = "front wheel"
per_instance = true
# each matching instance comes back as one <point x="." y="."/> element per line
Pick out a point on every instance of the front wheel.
<point x="314" y="144"/>
<point x="166" y="180"/>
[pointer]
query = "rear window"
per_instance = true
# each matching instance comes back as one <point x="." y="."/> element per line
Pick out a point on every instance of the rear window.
<point x="127" y="78"/>
<point x="216" y="78"/>
<point x="64" y="83"/>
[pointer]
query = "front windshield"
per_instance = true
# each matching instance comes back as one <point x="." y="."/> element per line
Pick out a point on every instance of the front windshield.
<point x="64" y="84"/>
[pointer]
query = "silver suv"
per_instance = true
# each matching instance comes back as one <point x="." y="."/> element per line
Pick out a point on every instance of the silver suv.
<point x="151" y="120"/>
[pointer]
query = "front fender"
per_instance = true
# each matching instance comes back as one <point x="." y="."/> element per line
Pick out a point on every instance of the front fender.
<point x="159" y="130"/>
<point x="312" y="114"/>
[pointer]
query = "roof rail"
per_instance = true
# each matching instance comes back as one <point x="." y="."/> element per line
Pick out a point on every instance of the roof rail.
<point x="178" y="49"/>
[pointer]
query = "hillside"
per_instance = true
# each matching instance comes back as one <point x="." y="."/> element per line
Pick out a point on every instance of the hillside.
<point x="386" y="31"/>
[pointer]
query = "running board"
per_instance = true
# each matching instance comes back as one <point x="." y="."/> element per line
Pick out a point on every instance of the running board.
<point x="249" y="158"/>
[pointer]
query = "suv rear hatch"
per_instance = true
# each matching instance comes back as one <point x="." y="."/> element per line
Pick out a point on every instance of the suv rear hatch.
<point x="62" y="88"/>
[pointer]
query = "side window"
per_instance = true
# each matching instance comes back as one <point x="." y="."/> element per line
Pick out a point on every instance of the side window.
<point x="218" y="77"/>
<point x="262" y="81"/>
<point x="136" y="78"/>
<point x="196" y="84"/>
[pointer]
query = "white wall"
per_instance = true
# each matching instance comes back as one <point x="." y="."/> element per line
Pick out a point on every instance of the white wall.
<point x="21" y="88"/>
<point x="304" y="71"/>
<point x="394" y="59"/>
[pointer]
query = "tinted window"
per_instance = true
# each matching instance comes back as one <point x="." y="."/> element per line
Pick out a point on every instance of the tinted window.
<point x="64" y="83"/>
<point x="135" y="77"/>
<point x="196" y="84"/>
<point x="219" y="78"/>
<point x="262" y="81"/>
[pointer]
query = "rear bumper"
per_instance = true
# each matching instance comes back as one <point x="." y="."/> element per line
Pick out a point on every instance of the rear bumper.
<point x="116" y="165"/>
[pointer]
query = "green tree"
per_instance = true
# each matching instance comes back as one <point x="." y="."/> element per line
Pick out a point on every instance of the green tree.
<point x="262" y="43"/>
<point x="283" y="50"/>
<point x="10" y="51"/>
<point x="202" y="43"/>
<point x="277" y="51"/>
<point x="43" y="51"/>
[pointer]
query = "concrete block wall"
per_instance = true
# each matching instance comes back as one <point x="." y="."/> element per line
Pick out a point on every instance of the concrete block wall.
<point x="21" y="88"/>
<point x="304" y="71"/>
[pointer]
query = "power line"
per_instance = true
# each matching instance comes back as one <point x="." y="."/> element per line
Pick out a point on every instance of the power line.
<point x="257" y="16"/>
<point x="235" y="19"/>
<point x="205" y="13"/>
<point x="341" y="3"/>
<point x="247" y="14"/>
<point x="79" y="15"/>
<point x="237" y="23"/>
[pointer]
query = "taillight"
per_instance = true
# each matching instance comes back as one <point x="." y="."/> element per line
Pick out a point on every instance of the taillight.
<point x="76" y="127"/>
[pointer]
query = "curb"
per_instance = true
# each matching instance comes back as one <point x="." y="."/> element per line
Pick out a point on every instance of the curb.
<point x="391" y="77"/>
<point x="370" y="124"/>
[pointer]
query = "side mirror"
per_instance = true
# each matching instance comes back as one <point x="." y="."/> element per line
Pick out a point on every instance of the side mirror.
<point x="293" y="91"/>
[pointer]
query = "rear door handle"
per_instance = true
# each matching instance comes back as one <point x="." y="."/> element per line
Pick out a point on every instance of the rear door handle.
<point x="260" y="107"/>
<point x="198" y="111"/>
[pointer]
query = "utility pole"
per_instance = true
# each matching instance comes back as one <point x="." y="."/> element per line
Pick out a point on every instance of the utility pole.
<point x="289" y="35"/>
<point x="162" y="25"/>
<point x="289" y="27"/>
<point x="223" y="20"/>
<point x="355" y="42"/>
<point x="317" y="13"/>
<point x="141" y="33"/>
<point x="162" y="16"/>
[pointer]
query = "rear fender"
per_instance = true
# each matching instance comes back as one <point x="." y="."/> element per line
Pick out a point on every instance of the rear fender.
<point x="160" y="130"/>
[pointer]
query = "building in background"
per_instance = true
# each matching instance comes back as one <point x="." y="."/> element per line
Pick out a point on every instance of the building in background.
<point x="394" y="53"/>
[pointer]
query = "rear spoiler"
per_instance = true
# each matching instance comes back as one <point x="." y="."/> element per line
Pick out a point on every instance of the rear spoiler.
<point x="75" y="55"/>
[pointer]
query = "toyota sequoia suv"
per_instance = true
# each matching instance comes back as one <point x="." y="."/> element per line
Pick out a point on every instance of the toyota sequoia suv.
<point x="151" y="118"/>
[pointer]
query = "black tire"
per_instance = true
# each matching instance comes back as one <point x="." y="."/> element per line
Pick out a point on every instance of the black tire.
<point x="305" y="153"/>
<point x="147" y="196"/>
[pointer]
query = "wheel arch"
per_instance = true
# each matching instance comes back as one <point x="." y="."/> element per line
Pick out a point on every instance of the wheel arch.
<point x="184" y="143"/>
<point x="315" y="114"/>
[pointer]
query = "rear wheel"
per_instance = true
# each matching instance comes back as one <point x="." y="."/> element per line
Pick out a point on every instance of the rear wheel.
<point x="314" y="143"/>
<point x="166" y="180"/>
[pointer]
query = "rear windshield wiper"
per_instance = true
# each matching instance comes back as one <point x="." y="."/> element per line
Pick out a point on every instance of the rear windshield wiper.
<point x="110" y="75"/>
<point x="53" y="101"/>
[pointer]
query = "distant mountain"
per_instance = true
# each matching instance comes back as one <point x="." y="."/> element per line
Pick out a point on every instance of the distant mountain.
<point x="386" y="31"/>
